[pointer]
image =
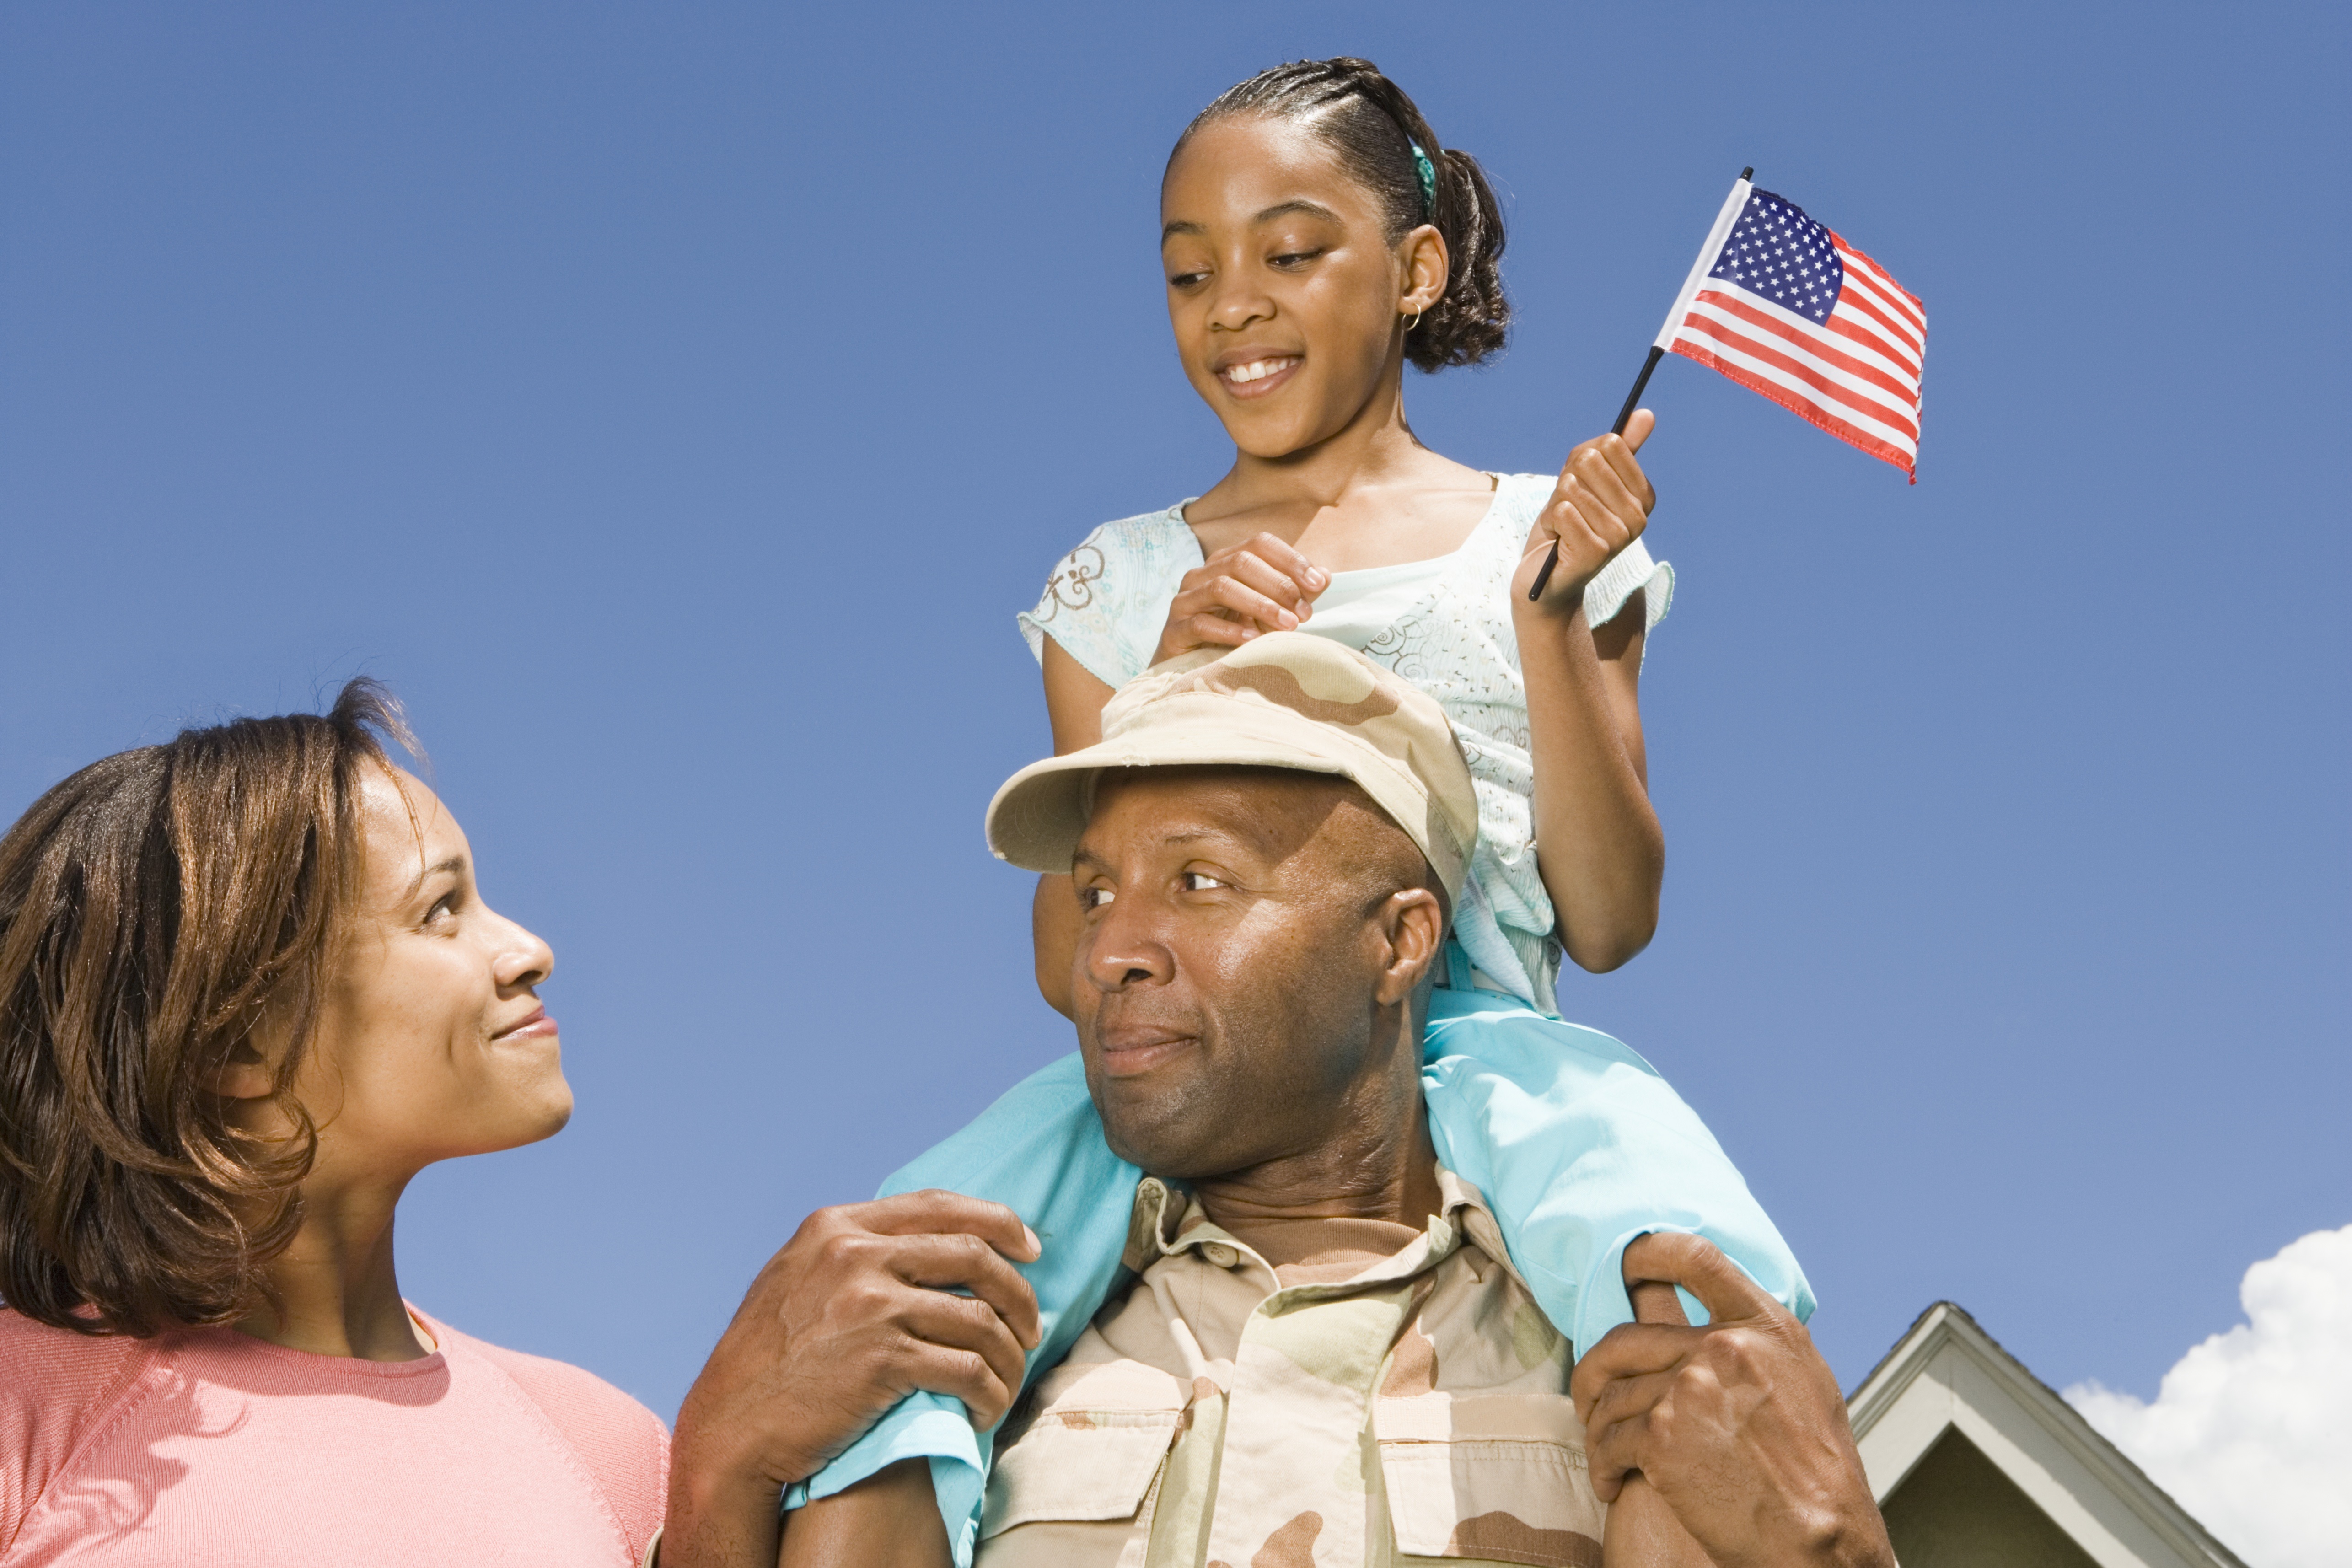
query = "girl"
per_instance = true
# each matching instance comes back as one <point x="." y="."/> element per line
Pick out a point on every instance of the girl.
<point x="1314" y="238"/>
<point x="248" y="988"/>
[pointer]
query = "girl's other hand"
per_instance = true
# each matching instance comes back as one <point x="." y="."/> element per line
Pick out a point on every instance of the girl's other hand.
<point x="1600" y="506"/>
<point x="1261" y="585"/>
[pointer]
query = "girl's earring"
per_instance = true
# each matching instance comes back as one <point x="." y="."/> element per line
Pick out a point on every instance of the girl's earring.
<point x="1409" y="326"/>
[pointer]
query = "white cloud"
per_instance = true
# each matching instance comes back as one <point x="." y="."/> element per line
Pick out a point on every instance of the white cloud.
<point x="2252" y="1431"/>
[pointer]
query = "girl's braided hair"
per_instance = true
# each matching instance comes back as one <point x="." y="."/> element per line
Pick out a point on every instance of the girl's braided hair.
<point x="1371" y="124"/>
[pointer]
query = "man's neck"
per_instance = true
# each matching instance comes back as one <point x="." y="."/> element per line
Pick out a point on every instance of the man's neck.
<point x="1384" y="1170"/>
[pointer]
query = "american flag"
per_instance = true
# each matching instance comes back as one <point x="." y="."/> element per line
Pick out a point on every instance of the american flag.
<point x="1785" y="306"/>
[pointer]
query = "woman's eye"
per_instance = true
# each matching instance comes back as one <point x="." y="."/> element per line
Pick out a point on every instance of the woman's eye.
<point x="444" y="908"/>
<point x="1199" y="881"/>
<point x="1186" y="279"/>
<point x="1296" y="258"/>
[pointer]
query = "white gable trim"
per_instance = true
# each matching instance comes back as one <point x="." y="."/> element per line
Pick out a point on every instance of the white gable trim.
<point x="1946" y="1373"/>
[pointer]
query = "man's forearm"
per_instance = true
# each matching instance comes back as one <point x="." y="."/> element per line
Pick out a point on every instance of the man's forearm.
<point x="719" y="1521"/>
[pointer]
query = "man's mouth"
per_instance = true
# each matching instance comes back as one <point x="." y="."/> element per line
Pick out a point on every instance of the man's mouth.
<point x="1258" y="376"/>
<point x="1126" y="1053"/>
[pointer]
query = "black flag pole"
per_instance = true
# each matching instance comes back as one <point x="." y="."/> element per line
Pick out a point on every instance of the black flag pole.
<point x="1624" y="417"/>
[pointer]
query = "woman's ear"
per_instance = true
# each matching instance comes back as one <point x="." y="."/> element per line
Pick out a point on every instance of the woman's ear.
<point x="244" y="1074"/>
<point x="1426" y="270"/>
<point x="1414" y="923"/>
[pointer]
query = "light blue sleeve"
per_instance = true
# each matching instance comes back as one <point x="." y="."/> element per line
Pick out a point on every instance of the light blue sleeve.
<point x="1107" y="601"/>
<point x="1040" y="1152"/>
<point x="1579" y="1147"/>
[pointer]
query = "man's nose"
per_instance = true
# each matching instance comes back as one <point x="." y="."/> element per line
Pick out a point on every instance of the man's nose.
<point x="1124" y="948"/>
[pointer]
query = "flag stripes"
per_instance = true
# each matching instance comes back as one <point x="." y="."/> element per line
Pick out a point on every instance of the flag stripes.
<point x="1784" y="306"/>
<point x="1866" y="371"/>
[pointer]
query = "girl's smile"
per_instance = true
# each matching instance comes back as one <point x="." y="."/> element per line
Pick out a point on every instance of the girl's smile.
<point x="1255" y="372"/>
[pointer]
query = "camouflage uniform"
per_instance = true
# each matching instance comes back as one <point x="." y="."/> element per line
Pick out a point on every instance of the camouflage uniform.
<point x="1340" y="1392"/>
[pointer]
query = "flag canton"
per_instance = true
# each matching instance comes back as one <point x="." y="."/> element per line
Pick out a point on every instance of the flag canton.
<point x="1776" y="252"/>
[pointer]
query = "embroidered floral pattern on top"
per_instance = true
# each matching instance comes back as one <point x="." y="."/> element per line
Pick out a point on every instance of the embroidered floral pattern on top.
<point x="1072" y="584"/>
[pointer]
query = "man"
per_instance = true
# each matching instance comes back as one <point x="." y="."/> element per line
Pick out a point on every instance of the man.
<point x="1326" y="1357"/>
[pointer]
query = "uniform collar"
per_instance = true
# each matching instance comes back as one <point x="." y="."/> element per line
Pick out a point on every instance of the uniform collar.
<point x="1168" y="1221"/>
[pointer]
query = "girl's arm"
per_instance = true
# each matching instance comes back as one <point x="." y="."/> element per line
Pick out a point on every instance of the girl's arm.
<point x="889" y="1517"/>
<point x="1073" y="700"/>
<point x="1599" y="847"/>
<point x="1641" y="1531"/>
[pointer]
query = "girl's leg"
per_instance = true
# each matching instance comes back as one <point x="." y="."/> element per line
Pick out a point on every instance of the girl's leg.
<point x="1039" y="1151"/>
<point x="1579" y="1147"/>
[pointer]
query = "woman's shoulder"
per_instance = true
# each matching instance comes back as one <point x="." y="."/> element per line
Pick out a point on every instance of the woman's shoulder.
<point x="575" y="1398"/>
<point x="59" y="1388"/>
<point x="624" y="1445"/>
<point x="29" y="1343"/>
<point x="54" y="1371"/>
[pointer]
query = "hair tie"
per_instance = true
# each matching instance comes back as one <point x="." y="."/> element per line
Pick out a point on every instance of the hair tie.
<point x="1428" y="173"/>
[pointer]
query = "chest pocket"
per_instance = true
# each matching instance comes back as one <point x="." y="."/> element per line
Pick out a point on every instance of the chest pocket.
<point x="1090" y="1451"/>
<point x="1489" y="1477"/>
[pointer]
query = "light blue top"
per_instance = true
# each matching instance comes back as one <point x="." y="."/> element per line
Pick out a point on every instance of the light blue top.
<point x="1577" y="1143"/>
<point x="1443" y="624"/>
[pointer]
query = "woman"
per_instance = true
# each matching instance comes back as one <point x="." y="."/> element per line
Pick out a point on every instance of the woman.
<point x="248" y="989"/>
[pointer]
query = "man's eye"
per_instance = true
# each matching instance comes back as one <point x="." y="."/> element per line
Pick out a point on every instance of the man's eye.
<point x="1095" y="898"/>
<point x="1198" y="881"/>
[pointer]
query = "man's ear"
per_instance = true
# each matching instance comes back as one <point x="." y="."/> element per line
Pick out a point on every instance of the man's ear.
<point x="1414" y="923"/>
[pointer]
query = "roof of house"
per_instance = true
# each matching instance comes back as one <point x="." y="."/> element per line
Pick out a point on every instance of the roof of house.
<point x="1946" y="1373"/>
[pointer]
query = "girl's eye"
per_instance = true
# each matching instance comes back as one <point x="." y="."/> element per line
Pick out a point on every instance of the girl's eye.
<point x="1296" y="258"/>
<point x="1186" y="279"/>
<point x="1199" y="881"/>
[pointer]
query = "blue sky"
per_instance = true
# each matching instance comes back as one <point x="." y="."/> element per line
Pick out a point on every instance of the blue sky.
<point x="675" y="403"/>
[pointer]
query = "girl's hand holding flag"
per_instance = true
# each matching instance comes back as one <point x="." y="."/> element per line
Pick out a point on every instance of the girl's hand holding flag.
<point x="1602" y="503"/>
<point x="1784" y="306"/>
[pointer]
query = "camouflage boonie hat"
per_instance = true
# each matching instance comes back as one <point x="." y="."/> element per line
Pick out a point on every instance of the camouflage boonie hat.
<point x="1285" y="700"/>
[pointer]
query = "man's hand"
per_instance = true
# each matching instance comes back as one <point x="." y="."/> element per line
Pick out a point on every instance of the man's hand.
<point x="853" y="1315"/>
<point x="1737" y="1425"/>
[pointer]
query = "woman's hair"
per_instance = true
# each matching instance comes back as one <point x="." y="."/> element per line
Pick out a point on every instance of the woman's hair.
<point x="1371" y="124"/>
<point x="154" y="909"/>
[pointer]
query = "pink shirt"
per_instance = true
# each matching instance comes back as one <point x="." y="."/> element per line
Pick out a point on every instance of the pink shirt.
<point x="211" y="1446"/>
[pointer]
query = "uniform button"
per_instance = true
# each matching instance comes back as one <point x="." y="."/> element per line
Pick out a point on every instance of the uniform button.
<point x="1218" y="1253"/>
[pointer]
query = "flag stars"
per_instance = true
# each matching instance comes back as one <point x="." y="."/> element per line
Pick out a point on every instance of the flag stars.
<point x="1776" y="253"/>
